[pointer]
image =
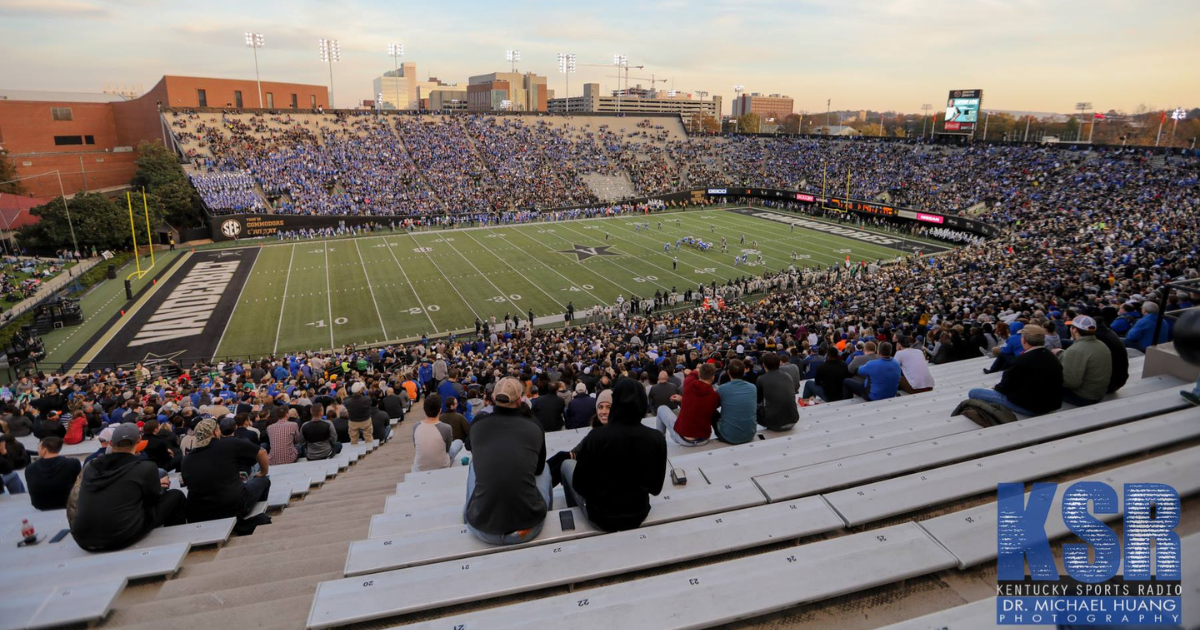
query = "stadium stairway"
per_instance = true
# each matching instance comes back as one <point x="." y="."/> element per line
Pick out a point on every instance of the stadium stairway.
<point x="54" y="584"/>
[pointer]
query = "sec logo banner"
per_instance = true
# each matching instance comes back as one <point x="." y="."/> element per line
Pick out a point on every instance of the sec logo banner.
<point x="231" y="228"/>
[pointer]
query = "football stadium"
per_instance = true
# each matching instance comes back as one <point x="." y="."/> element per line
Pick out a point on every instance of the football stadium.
<point x="511" y="352"/>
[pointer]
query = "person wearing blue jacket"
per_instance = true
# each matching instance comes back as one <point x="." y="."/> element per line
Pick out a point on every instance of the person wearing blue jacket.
<point x="883" y="377"/>
<point x="1125" y="320"/>
<point x="1141" y="336"/>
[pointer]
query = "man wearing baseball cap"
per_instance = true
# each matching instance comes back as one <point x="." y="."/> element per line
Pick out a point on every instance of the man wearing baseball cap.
<point x="508" y="484"/>
<point x="1087" y="364"/>
<point x="122" y="498"/>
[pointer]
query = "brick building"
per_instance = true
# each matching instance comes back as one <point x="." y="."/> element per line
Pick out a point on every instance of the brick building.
<point x="90" y="139"/>
<point x="765" y="106"/>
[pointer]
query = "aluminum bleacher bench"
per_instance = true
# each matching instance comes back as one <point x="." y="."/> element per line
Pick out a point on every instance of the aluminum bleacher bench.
<point x="193" y="534"/>
<point x="805" y="451"/>
<point x="727" y="591"/>
<point x="24" y="608"/>
<point x="340" y="602"/>
<point x="420" y="517"/>
<point x="46" y="523"/>
<point x="863" y="504"/>
<point x="454" y="541"/>
<point x="919" y="413"/>
<point x="865" y="467"/>
<point x="971" y="534"/>
<point x="128" y="564"/>
<point x="444" y="509"/>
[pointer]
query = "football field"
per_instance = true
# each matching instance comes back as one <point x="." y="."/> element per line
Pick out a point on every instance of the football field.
<point x="392" y="286"/>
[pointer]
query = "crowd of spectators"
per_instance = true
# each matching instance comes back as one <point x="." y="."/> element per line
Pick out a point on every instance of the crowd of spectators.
<point x="1055" y="300"/>
<point x="231" y="191"/>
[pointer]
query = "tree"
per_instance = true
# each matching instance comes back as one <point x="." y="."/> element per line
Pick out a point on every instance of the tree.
<point x="94" y="219"/>
<point x="8" y="173"/>
<point x="705" y="124"/>
<point x="179" y="204"/>
<point x="748" y="123"/>
<point x="790" y="124"/>
<point x="156" y="167"/>
<point x="866" y="128"/>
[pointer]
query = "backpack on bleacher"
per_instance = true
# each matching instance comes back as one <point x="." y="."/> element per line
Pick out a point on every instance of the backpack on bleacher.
<point x="984" y="414"/>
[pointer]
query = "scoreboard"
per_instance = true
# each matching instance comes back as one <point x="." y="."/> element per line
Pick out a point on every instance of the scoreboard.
<point x="962" y="111"/>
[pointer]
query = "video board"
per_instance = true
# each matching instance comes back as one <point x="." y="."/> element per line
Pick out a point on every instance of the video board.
<point x="962" y="111"/>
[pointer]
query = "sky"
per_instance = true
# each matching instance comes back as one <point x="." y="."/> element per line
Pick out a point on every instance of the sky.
<point x="883" y="55"/>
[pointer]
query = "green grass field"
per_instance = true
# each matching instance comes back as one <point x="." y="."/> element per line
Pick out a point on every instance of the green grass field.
<point x="324" y="294"/>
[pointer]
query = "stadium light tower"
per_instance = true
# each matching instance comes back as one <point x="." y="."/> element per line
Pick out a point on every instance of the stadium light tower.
<point x="254" y="41"/>
<point x="1082" y="106"/>
<point x="622" y="63"/>
<point x="566" y="65"/>
<point x="396" y="51"/>
<point x="330" y="52"/>
<point x="737" y="97"/>
<point x="926" y="109"/>
<point x="512" y="57"/>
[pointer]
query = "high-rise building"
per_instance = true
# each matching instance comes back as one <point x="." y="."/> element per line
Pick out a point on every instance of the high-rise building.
<point x="637" y="100"/>
<point x="511" y="91"/>
<point x="765" y="106"/>
<point x="401" y="89"/>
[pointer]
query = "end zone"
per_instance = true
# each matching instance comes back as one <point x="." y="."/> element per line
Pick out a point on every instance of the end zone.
<point x="186" y="314"/>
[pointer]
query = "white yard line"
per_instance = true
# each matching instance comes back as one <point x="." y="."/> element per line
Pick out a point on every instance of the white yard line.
<point x="572" y="282"/>
<point x="287" y="279"/>
<point x="635" y="274"/>
<point x="410" y="284"/>
<point x="328" y="295"/>
<point x="439" y="270"/>
<point x="485" y="277"/>
<point x="536" y="285"/>
<point x="367" y="273"/>
<point x="238" y="303"/>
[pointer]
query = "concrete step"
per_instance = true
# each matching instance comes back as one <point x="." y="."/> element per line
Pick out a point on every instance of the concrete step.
<point x="286" y="528"/>
<point x="334" y="550"/>
<point x="291" y="611"/>
<point x="205" y="602"/>
<point x="256" y="577"/>
<point x="350" y="531"/>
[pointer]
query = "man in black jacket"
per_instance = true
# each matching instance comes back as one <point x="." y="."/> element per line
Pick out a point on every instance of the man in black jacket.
<point x="213" y="472"/>
<point x="358" y="408"/>
<point x="1032" y="386"/>
<point x="548" y="408"/>
<point x="828" y="383"/>
<point x="508" y="484"/>
<point x="51" y="477"/>
<point x="393" y="404"/>
<point x="122" y="498"/>
<point x="777" y="409"/>
<point x="617" y="466"/>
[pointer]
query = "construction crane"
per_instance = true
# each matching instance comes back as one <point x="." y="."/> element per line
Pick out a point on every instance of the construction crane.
<point x="653" y="81"/>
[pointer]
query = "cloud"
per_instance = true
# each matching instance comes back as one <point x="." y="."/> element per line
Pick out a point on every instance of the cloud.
<point x="52" y="8"/>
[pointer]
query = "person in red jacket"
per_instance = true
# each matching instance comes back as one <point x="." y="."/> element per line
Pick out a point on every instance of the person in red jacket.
<point x="76" y="429"/>
<point x="697" y="406"/>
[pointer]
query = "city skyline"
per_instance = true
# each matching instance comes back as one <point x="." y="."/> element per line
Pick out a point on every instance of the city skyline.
<point x="888" y="56"/>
